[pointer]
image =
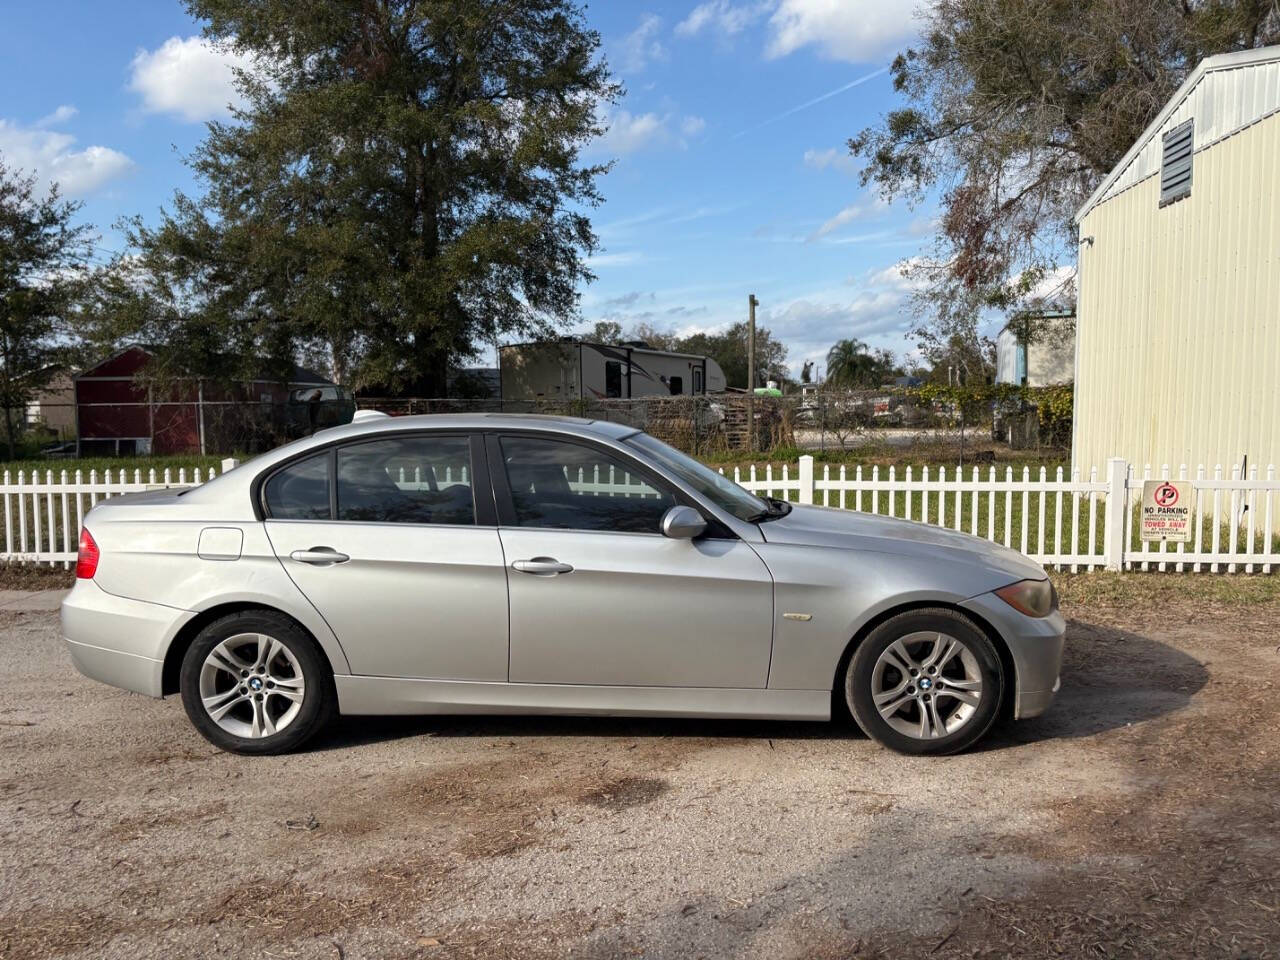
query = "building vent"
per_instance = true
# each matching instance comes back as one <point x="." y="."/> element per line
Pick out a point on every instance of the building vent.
<point x="1175" y="165"/>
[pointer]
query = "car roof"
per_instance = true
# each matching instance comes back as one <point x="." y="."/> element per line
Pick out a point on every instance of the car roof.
<point x="478" y="421"/>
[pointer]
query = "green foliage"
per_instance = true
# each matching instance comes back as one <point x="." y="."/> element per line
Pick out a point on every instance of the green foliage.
<point x="729" y="350"/>
<point x="851" y="363"/>
<point x="1015" y="110"/>
<point x="42" y="268"/>
<point x="1052" y="403"/>
<point x="402" y="186"/>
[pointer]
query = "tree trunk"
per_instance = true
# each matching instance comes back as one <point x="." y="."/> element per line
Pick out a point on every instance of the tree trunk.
<point x="8" y="431"/>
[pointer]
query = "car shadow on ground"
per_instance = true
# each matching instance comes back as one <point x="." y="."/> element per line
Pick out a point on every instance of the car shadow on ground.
<point x="1110" y="678"/>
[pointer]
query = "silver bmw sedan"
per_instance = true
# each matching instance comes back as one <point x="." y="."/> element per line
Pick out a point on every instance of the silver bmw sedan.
<point x="533" y="565"/>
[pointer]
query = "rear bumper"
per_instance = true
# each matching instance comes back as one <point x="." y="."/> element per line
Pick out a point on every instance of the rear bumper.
<point x="118" y="641"/>
<point x="1036" y="646"/>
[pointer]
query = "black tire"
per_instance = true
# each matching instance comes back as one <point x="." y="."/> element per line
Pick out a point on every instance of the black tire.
<point x="319" y="698"/>
<point x="858" y="683"/>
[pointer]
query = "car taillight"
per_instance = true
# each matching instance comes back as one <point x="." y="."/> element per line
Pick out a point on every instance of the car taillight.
<point x="87" y="558"/>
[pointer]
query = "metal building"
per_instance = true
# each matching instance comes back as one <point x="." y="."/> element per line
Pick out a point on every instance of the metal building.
<point x="1045" y="360"/>
<point x="1178" y="327"/>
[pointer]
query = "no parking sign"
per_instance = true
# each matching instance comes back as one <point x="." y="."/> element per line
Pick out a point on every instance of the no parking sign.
<point x="1166" y="510"/>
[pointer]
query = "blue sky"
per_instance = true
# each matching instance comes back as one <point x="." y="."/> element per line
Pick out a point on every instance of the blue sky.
<point x="731" y="174"/>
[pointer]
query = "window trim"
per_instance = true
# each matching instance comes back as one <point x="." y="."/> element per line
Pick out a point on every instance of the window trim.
<point x="484" y="507"/>
<point x="506" y="504"/>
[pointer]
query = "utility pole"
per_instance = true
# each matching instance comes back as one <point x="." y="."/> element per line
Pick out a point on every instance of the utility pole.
<point x="752" y="303"/>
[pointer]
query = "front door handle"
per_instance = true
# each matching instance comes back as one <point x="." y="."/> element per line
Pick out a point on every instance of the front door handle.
<point x="319" y="556"/>
<point x="542" y="566"/>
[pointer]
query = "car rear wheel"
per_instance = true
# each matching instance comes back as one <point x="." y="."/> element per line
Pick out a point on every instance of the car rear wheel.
<point x="255" y="682"/>
<point x="925" y="682"/>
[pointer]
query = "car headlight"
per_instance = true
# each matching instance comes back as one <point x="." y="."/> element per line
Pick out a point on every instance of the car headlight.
<point x="1035" y="598"/>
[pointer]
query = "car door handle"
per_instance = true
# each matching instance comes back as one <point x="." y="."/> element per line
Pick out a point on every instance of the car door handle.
<point x="542" y="566"/>
<point x="319" y="556"/>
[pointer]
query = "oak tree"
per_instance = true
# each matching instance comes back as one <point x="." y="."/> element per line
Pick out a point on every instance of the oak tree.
<point x="401" y="183"/>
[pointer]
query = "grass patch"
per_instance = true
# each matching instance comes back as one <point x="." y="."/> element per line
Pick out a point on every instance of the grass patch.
<point x="898" y="457"/>
<point x="1155" y="590"/>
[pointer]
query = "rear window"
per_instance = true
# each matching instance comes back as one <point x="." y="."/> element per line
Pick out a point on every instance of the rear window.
<point x="300" y="491"/>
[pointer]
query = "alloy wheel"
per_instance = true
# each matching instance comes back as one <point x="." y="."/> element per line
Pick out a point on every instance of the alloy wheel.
<point x="251" y="685"/>
<point x="927" y="685"/>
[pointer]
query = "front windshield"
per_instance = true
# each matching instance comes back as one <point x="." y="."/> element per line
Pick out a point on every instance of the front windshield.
<point x="721" y="491"/>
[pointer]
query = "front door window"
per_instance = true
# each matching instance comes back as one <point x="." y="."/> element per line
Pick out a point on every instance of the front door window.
<point x="570" y="486"/>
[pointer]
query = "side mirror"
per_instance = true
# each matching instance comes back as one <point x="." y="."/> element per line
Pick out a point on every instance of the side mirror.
<point x="683" y="523"/>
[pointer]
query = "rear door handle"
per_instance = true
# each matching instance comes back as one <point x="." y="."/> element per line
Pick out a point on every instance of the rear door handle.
<point x="319" y="556"/>
<point x="542" y="566"/>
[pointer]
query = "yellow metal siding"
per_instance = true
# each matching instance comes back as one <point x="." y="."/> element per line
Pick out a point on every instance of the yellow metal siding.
<point x="1178" y="336"/>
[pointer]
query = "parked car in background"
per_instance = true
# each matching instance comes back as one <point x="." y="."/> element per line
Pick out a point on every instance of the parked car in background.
<point x="520" y="564"/>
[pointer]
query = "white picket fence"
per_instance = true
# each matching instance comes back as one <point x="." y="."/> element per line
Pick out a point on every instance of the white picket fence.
<point x="43" y="511"/>
<point x="1066" y="522"/>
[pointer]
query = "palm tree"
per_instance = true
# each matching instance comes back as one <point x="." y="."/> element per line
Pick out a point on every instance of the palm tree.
<point x="850" y="363"/>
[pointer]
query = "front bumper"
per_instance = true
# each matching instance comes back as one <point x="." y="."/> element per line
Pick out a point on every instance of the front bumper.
<point x="1036" y="646"/>
<point x="119" y="641"/>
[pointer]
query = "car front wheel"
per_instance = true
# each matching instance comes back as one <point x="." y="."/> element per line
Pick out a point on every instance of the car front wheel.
<point x="255" y="682"/>
<point x="925" y="682"/>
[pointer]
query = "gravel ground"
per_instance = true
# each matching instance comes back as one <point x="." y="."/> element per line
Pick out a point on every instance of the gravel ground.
<point x="1138" y="818"/>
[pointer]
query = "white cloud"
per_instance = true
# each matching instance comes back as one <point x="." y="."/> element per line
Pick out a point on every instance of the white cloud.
<point x="855" y="211"/>
<point x="906" y="274"/>
<point x="832" y="159"/>
<point x="190" y="78"/>
<point x="691" y="126"/>
<point x="722" y="17"/>
<point x="627" y="132"/>
<point x="860" y="31"/>
<point x="878" y="312"/>
<point x="623" y="259"/>
<point x="58" y="117"/>
<point x="51" y="156"/>
<point x="642" y="45"/>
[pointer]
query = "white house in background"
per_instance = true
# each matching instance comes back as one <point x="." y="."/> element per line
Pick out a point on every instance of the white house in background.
<point x="1044" y="359"/>
<point x="53" y="407"/>
<point x="1178" y="327"/>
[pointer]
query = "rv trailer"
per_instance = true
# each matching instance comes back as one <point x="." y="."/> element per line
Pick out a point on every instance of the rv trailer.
<point x="576" y="370"/>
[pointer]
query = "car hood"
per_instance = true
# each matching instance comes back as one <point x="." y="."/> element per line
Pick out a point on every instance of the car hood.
<point x="870" y="533"/>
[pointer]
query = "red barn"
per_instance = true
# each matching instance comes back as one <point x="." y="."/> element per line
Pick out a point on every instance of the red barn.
<point x="117" y="414"/>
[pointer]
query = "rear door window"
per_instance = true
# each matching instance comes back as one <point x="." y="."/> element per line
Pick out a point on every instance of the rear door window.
<point x="415" y="479"/>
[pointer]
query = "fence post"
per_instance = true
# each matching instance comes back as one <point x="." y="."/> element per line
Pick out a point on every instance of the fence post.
<point x="806" y="478"/>
<point x="230" y="463"/>
<point x="1117" y="515"/>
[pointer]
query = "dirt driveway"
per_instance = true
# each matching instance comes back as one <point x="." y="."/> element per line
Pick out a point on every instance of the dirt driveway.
<point x="1141" y="818"/>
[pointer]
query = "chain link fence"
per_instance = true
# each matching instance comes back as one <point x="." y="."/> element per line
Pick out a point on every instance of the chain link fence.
<point x="875" y="423"/>
<point x="139" y="428"/>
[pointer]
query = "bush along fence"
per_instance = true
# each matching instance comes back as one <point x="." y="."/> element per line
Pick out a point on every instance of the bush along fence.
<point x="1063" y="522"/>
